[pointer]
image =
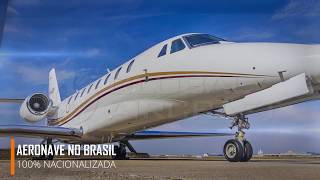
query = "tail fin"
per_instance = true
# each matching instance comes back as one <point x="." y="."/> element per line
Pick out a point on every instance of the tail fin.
<point x="54" y="93"/>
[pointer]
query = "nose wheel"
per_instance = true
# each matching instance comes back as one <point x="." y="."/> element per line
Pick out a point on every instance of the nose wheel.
<point x="238" y="149"/>
<point x="248" y="151"/>
<point x="235" y="151"/>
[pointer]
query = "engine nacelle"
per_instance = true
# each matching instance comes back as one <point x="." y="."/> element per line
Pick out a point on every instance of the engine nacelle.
<point x="35" y="107"/>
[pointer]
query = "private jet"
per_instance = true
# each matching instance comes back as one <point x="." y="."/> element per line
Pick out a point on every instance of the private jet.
<point x="181" y="77"/>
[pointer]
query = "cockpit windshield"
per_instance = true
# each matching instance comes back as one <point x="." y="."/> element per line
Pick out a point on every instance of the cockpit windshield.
<point x="195" y="40"/>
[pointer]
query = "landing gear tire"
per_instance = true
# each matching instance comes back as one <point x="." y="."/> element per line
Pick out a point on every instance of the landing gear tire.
<point x="233" y="150"/>
<point x="121" y="153"/>
<point x="44" y="157"/>
<point x="238" y="149"/>
<point x="247" y="154"/>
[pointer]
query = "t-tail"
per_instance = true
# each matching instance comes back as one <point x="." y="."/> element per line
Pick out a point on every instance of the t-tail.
<point x="39" y="106"/>
<point x="54" y="94"/>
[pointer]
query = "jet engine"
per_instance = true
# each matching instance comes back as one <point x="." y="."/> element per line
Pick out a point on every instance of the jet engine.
<point x="35" y="107"/>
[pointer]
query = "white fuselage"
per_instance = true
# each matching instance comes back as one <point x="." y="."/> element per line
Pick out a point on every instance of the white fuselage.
<point x="158" y="90"/>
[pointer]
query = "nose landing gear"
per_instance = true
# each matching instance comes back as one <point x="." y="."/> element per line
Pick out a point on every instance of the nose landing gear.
<point x="238" y="149"/>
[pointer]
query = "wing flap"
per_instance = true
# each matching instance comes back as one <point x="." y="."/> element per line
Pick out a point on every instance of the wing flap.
<point x="141" y="135"/>
<point x="40" y="131"/>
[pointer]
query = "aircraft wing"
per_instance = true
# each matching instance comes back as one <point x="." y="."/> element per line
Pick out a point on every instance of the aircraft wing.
<point x="40" y="131"/>
<point x="141" y="135"/>
<point x="289" y="102"/>
<point x="292" y="91"/>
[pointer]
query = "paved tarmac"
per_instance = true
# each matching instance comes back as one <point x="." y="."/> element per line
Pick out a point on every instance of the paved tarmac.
<point x="306" y="169"/>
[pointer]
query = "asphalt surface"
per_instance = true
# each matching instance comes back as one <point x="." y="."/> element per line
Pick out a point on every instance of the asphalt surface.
<point x="306" y="169"/>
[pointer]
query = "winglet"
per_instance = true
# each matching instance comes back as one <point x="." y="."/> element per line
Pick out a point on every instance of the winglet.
<point x="54" y="93"/>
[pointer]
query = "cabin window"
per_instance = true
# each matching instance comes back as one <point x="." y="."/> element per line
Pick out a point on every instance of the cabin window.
<point x="89" y="88"/>
<point x="163" y="51"/>
<point x="177" y="45"/>
<point x="130" y="66"/>
<point x="83" y="92"/>
<point x="97" y="85"/>
<point x="76" y="96"/>
<point x="106" y="80"/>
<point x="69" y="100"/>
<point x="117" y="73"/>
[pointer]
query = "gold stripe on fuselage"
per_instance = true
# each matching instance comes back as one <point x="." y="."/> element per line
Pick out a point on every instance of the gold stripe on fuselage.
<point x="82" y="105"/>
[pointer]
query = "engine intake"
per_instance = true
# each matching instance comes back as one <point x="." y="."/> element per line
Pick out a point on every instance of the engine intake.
<point x="38" y="104"/>
<point x="35" y="107"/>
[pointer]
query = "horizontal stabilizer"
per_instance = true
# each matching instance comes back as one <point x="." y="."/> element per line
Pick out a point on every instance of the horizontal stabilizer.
<point x="11" y="100"/>
<point x="140" y="135"/>
<point x="40" y="131"/>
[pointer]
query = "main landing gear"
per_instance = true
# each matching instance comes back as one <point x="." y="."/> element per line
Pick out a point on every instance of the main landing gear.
<point x="238" y="149"/>
<point x="121" y="152"/>
<point x="46" y="142"/>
